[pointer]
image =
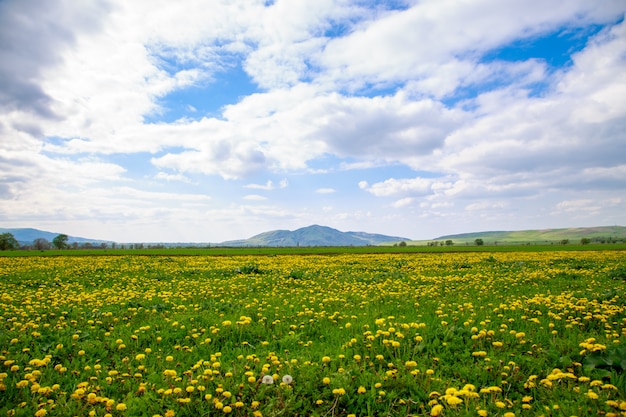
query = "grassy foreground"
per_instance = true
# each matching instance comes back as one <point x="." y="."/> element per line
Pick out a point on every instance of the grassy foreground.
<point x="451" y="334"/>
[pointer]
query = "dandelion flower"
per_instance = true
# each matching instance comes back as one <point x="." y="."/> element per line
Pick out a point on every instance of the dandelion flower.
<point x="267" y="380"/>
<point x="453" y="400"/>
<point x="436" y="410"/>
<point x="287" y="379"/>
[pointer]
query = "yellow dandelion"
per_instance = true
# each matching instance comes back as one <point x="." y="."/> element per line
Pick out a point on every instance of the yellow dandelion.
<point x="436" y="410"/>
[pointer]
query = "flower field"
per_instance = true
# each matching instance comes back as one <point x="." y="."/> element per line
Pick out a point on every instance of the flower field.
<point x="454" y="334"/>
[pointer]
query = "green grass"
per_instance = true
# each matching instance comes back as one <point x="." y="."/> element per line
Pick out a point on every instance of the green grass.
<point x="529" y="333"/>
<point x="314" y="250"/>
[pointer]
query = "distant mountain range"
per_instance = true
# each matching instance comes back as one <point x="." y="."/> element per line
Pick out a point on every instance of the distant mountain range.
<point x="27" y="236"/>
<point x="314" y="235"/>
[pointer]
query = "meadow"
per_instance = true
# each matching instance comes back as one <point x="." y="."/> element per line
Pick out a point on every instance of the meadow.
<point x="507" y="334"/>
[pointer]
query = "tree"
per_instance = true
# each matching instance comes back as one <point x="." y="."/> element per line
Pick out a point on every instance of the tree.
<point x="449" y="242"/>
<point x="403" y="243"/>
<point x="585" y="241"/>
<point x="8" y="242"/>
<point x="41" y="244"/>
<point x="60" y="242"/>
<point x="479" y="242"/>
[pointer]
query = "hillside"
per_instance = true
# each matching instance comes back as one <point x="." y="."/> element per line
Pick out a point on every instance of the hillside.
<point x="26" y="236"/>
<point x="314" y="236"/>
<point x="574" y="235"/>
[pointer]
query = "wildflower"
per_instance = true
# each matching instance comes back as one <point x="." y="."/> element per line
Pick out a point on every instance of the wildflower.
<point x="361" y="390"/>
<point x="287" y="379"/>
<point x="326" y="380"/>
<point x="592" y="395"/>
<point x="326" y="359"/>
<point x="227" y="409"/>
<point x="41" y="412"/>
<point x="436" y="410"/>
<point x="267" y="380"/>
<point x="121" y="407"/>
<point x="453" y="400"/>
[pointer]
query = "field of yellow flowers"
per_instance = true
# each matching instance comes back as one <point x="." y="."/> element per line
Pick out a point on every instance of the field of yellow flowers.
<point x="452" y="334"/>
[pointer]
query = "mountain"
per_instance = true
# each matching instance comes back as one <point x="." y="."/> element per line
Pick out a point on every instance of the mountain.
<point x="573" y="234"/>
<point x="314" y="235"/>
<point x="26" y="236"/>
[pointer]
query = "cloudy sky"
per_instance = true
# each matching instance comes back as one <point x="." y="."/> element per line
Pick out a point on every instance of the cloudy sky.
<point x="212" y="120"/>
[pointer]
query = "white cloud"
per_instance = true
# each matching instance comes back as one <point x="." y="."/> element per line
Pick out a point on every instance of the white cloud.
<point x="325" y="191"/>
<point x="254" y="197"/>
<point x="171" y="177"/>
<point x="269" y="185"/>
<point x="406" y="186"/>
<point x="78" y="85"/>
<point x="403" y="202"/>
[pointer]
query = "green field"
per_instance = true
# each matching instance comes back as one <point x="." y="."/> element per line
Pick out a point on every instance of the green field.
<point x="313" y="250"/>
<point x="286" y="333"/>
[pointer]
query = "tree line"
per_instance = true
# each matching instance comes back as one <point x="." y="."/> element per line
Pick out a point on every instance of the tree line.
<point x="9" y="242"/>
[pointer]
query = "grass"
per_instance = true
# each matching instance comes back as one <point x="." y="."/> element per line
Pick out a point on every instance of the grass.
<point x="313" y="250"/>
<point x="457" y="334"/>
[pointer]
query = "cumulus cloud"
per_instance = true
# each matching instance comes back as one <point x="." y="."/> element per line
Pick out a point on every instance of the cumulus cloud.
<point x="340" y="86"/>
<point x="403" y="187"/>
<point x="32" y="34"/>
<point x="269" y="185"/>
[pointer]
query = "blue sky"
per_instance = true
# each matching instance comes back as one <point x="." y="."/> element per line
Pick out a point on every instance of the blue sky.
<point x="207" y="121"/>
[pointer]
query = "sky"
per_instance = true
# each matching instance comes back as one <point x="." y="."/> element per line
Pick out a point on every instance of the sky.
<point x="207" y="121"/>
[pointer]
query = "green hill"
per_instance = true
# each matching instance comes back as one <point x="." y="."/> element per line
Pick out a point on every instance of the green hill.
<point x="602" y="234"/>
